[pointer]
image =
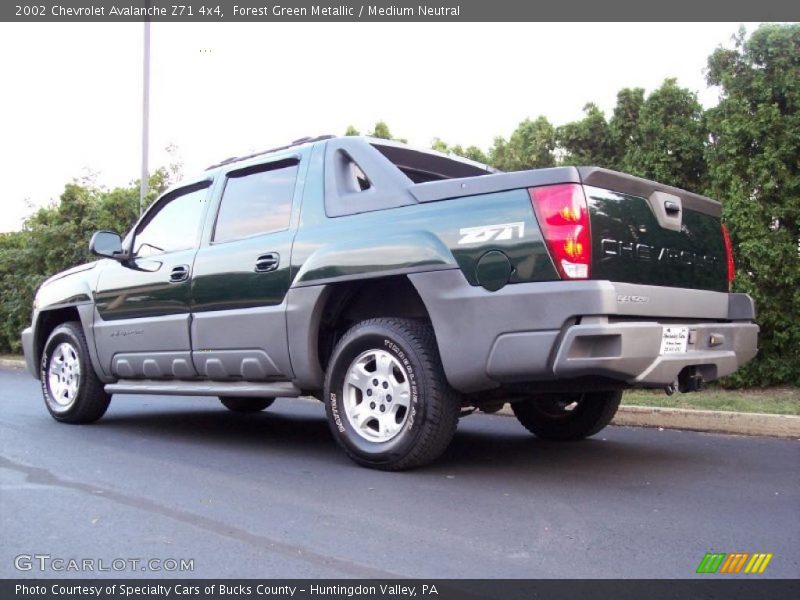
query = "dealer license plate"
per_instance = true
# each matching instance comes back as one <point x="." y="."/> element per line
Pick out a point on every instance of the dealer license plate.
<point x="674" y="340"/>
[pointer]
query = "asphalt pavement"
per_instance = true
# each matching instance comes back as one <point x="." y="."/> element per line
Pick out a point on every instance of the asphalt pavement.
<point x="271" y="495"/>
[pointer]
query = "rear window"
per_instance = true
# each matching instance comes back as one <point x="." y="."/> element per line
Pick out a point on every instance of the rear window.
<point x="420" y="167"/>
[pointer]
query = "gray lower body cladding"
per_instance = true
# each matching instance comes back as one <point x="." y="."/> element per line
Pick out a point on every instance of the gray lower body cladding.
<point x="561" y="330"/>
<point x="29" y="352"/>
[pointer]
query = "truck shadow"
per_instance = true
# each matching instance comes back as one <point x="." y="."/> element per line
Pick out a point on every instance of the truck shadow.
<point x="498" y="446"/>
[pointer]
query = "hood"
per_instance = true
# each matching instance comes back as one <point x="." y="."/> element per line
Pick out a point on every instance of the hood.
<point x="72" y="271"/>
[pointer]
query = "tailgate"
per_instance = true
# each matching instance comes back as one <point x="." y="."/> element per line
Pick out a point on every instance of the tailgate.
<point x="646" y="233"/>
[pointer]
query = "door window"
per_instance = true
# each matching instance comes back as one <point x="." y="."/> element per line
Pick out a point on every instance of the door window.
<point x="174" y="225"/>
<point x="256" y="200"/>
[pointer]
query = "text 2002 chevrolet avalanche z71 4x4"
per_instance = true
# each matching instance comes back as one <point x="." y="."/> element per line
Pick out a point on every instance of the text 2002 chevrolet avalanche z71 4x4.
<point x="400" y="287"/>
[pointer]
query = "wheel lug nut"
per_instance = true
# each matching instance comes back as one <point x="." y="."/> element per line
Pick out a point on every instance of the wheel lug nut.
<point x="383" y="408"/>
<point x="372" y="405"/>
<point x="385" y="385"/>
<point x="388" y="397"/>
<point x="375" y="382"/>
<point x="369" y="392"/>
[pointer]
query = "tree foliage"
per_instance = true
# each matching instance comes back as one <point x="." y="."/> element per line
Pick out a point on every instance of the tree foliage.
<point x="588" y="141"/>
<point x="660" y="137"/>
<point x="380" y="131"/>
<point x="624" y="123"/>
<point x="669" y="139"/>
<point x="531" y="146"/>
<point x="754" y="166"/>
<point x="470" y="152"/>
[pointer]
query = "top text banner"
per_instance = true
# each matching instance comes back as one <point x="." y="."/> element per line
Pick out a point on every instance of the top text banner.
<point x="205" y="11"/>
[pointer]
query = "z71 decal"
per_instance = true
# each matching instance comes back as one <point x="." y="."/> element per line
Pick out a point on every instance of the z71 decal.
<point x="486" y="233"/>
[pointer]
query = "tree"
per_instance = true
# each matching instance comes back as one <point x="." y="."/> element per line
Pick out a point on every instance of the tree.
<point x="381" y="131"/>
<point x="624" y="123"/>
<point x="531" y="146"/>
<point x="667" y="143"/>
<point x="588" y="141"/>
<point x="470" y="152"/>
<point x="18" y="282"/>
<point x="352" y="131"/>
<point x="754" y="168"/>
<point x="439" y="145"/>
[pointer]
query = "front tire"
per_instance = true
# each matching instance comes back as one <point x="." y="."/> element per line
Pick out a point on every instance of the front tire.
<point x="71" y="390"/>
<point x="388" y="403"/>
<point x="246" y="405"/>
<point x="567" y="417"/>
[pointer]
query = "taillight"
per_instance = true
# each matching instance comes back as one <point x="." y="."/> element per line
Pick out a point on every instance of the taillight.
<point x="564" y="219"/>
<point x="729" y="255"/>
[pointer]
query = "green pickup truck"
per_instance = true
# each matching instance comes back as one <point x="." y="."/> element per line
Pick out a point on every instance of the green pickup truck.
<point x="404" y="289"/>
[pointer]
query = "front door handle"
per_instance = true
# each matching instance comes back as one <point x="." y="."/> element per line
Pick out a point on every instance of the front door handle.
<point x="267" y="262"/>
<point x="179" y="273"/>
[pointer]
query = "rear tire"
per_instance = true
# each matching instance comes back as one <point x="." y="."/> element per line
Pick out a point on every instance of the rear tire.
<point x="246" y="405"/>
<point x="388" y="402"/>
<point x="567" y="417"/>
<point x="71" y="390"/>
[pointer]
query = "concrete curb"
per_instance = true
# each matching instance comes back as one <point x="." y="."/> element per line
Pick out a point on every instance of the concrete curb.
<point x="785" y="426"/>
<point x="14" y="363"/>
<point x="715" y="421"/>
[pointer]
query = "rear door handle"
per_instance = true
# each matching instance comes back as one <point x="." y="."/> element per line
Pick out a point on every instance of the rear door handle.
<point x="267" y="262"/>
<point x="179" y="273"/>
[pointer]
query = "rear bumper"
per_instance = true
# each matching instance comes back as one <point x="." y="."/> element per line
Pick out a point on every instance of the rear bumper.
<point x="562" y="330"/>
<point x="28" y="351"/>
<point x="630" y="352"/>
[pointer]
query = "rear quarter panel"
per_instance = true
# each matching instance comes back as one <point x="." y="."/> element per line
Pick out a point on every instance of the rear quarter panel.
<point x="421" y="237"/>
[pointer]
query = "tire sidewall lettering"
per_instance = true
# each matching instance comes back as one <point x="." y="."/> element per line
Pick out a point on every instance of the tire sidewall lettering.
<point x="335" y="412"/>
<point x="43" y="379"/>
<point x="412" y="380"/>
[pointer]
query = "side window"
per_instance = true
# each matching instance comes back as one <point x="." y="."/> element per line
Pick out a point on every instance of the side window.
<point x="256" y="200"/>
<point x="174" y="225"/>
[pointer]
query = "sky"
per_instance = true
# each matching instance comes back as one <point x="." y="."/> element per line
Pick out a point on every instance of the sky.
<point x="71" y="97"/>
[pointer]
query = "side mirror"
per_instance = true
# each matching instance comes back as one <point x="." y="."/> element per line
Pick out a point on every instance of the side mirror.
<point x="108" y="244"/>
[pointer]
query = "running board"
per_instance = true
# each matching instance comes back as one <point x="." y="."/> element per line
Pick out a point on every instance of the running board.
<point x="245" y="389"/>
